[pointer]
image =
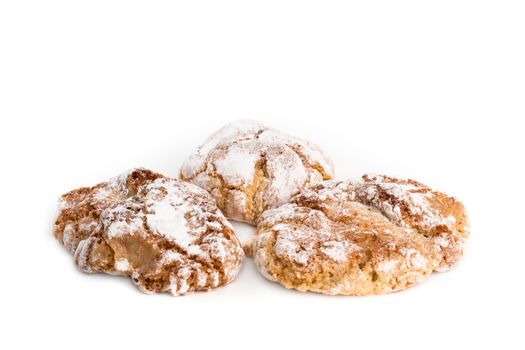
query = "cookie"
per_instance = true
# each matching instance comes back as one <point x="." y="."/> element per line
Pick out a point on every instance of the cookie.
<point x="166" y="234"/>
<point x="375" y="235"/>
<point x="249" y="168"/>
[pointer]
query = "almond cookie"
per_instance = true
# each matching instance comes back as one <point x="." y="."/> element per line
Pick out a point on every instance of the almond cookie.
<point x="370" y="236"/>
<point x="249" y="168"/>
<point x="166" y="234"/>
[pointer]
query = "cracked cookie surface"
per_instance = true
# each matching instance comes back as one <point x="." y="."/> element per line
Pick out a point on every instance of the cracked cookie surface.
<point x="370" y="236"/>
<point x="249" y="168"/>
<point x="165" y="234"/>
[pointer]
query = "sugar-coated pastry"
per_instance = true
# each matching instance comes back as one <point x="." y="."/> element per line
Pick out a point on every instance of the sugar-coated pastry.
<point x="374" y="235"/>
<point x="165" y="234"/>
<point x="249" y="168"/>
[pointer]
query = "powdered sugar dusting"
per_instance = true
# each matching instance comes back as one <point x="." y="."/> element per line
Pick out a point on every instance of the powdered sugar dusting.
<point x="387" y="265"/>
<point x="233" y="155"/>
<point x="169" y="221"/>
<point x="415" y="258"/>
<point x="158" y="212"/>
<point x="170" y="256"/>
<point x="372" y="229"/>
<point x="300" y="243"/>
<point x="416" y="197"/>
<point x="338" y="250"/>
<point x="214" y="279"/>
<point x="67" y="238"/>
<point x="102" y="193"/>
<point x="287" y="172"/>
<point x="201" y="279"/>
<point x="120" y="226"/>
<point x="233" y="131"/>
<point x="82" y="254"/>
<point x="441" y="241"/>
<point x="122" y="265"/>
<point x="237" y="167"/>
<point x="286" y="245"/>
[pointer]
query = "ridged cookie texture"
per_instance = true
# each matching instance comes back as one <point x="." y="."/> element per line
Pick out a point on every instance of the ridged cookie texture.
<point x="249" y="168"/>
<point x="166" y="234"/>
<point x="374" y="235"/>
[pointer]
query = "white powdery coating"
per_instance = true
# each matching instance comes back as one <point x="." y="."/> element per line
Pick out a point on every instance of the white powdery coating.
<point x="415" y="197"/>
<point x="89" y="226"/>
<point x="125" y="227"/>
<point x="285" y="247"/>
<point x="202" y="278"/>
<point x="412" y="206"/>
<point x="122" y="265"/>
<point x="261" y="259"/>
<point x="170" y="256"/>
<point x="415" y="258"/>
<point x="232" y="272"/>
<point x="177" y="211"/>
<point x="233" y="152"/>
<point x="353" y="210"/>
<point x="387" y="265"/>
<point x="179" y="283"/>
<point x="217" y="250"/>
<point x="120" y="180"/>
<point x="338" y="250"/>
<point x="440" y="241"/>
<point x="67" y="238"/>
<point x="218" y="226"/>
<point x="115" y="184"/>
<point x="300" y="244"/>
<point x="82" y="254"/>
<point x="287" y="172"/>
<point x="391" y="212"/>
<point x="212" y="246"/>
<point x="102" y="193"/>
<point x="195" y="250"/>
<point x="449" y="221"/>
<point x="228" y="134"/>
<point x="238" y="166"/>
<point x="169" y="221"/>
<point x="233" y="131"/>
<point x="215" y="279"/>
<point x="63" y="204"/>
<point x="183" y="273"/>
<point x="278" y="214"/>
<point x="172" y="216"/>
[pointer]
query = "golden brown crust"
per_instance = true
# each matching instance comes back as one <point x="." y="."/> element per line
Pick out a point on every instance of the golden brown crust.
<point x="167" y="235"/>
<point x="371" y="236"/>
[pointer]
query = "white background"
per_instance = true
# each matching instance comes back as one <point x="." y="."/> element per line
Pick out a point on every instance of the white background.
<point x="433" y="91"/>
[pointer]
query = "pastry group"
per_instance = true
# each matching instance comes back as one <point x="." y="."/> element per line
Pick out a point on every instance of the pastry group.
<point x="372" y="235"/>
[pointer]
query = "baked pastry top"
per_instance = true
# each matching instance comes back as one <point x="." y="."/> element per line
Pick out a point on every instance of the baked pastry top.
<point x="166" y="234"/>
<point x="374" y="235"/>
<point x="249" y="168"/>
